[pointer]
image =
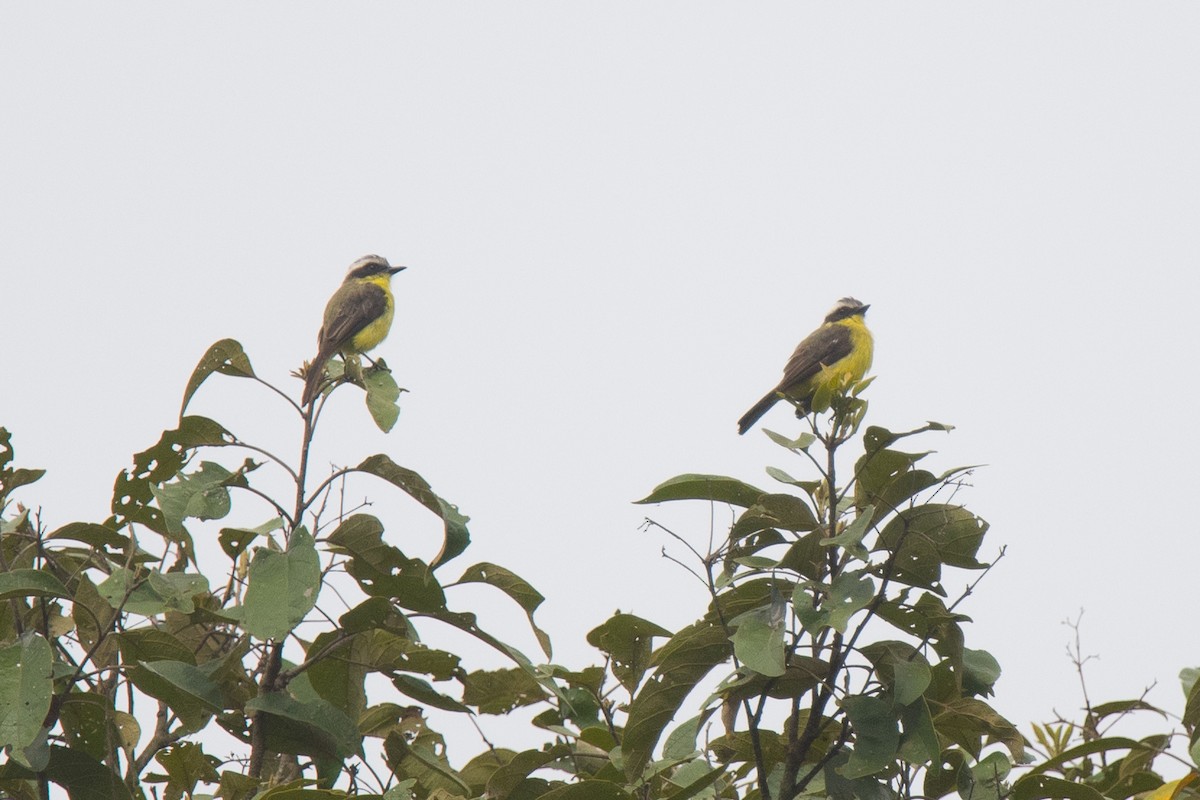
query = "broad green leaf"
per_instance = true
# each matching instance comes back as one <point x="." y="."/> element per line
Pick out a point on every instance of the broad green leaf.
<point x="100" y="537"/>
<point x="1037" y="786"/>
<point x="876" y="736"/>
<point x="507" y="778"/>
<point x="587" y="790"/>
<point x="424" y="758"/>
<point x="693" y="778"/>
<point x="1171" y="789"/>
<point x="968" y="722"/>
<point x="423" y="692"/>
<point x="153" y="644"/>
<point x="515" y="587"/>
<point x="186" y="765"/>
<point x="187" y="689"/>
<point x="382" y="570"/>
<point x="925" y="537"/>
<point x="717" y="488"/>
<point x="203" y="494"/>
<point x="382" y="394"/>
<point x="797" y="445"/>
<point x="12" y="479"/>
<point x="226" y="357"/>
<point x="83" y="777"/>
<point x="919" y="742"/>
<point x="679" y="664"/>
<point x="850" y="593"/>
<point x="31" y="583"/>
<point x="628" y="640"/>
<point x="782" y="511"/>
<point x="25" y="689"/>
<point x="282" y="588"/>
<point x="681" y="742"/>
<point x="500" y="691"/>
<point x="980" y="672"/>
<point x="912" y="679"/>
<point x="887" y="479"/>
<point x="985" y="780"/>
<point x="153" y="592"/>
<point x="456" y="535"/>
<point x="234" y="541"/>
<point x="758" y="640"/>
<point x="312" y="727"/>
<point x="853" y="535"/>
<point x="133" y="493"/>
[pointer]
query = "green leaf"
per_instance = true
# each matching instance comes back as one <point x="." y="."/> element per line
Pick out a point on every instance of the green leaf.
<point x="226" y="357"/>
<point x="186" y="765"/>
<point x="925" y="537"/>
<point x="500" y="691"/>
<point x="758" y="640"/>
<point x="876" y="736"/>
<point x="506" y="779"/>
<point x="186" y="689"/>
<point x="234" y="541"/>
<point x="456" y="536"/>
<point x="850" y="593"/>
<point x="628" y="640"/>
<point x="587" y="790"/>
<point x="202" y="494"/>
<point x="382" y="570"/>
<point x="382" y="394"/>
<point x="980" y="672"/>
<point x="912" y="679"/>
<point x="100" y="537"/>
<point x="282" y="588"/>
<point x="19" y="477"/>
<point x="1038" y="786"/>
<point x="83" y="777"/>
<point x="30" y="583"/>
<point x="313" y="727"/>
<point x="153" y="644"/>
<point x="853" y="535"/>
<point x="153" y="592"/>
<point x="681" y="742"/>
<point x="515" y="587"/>
<point x="680" y="664"/>
<point x="798" y="445"/>
<point x="887" y="479"/>
<point x="26" y="683"/>
<point x="985" y="780"/>
<point x="782" y="511"/>
<point x="919" y="742"/>
<point x="133" y="490"/>
<point x="422" y="691"/>
<point x="716" y="488"/>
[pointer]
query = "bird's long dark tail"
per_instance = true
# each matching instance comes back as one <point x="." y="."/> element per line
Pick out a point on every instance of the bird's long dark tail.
<point x="754" y="414"/>
<point x="313" y="377"/>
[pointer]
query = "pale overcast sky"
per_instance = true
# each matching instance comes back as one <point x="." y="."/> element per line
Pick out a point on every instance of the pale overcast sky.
<point x="619" y="219"/>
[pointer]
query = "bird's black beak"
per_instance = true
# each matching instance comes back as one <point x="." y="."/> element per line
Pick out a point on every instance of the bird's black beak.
<point x="394" y="270"/>
<point x="863" y="310"/>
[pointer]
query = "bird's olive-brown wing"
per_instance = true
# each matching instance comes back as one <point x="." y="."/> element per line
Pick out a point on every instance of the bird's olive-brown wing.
<point x="822" y="347"/>
<point x="353" y="307"/>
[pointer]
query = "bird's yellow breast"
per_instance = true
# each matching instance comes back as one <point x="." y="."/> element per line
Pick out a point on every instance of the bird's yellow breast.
<point x="377" y="331"/>
<point x="854" y="366"/>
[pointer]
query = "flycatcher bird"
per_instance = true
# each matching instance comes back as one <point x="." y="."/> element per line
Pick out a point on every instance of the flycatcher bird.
<point x="357" y="317"/>
<point x="838" y="351"/>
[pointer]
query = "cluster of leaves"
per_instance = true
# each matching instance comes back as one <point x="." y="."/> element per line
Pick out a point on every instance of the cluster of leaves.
<point x="830" y="659"/>
<point x="119" y="659"/>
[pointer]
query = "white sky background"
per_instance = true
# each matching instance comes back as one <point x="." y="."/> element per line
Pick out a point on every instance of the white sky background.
<point x="620" y="218"/>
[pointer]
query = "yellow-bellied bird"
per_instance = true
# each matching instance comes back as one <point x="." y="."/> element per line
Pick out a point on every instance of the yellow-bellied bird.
<point x="839" y="351"/>
<point x="357" y="317"/>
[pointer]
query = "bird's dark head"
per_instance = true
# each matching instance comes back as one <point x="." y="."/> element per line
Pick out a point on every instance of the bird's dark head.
<point x="846" y="307"/>
<point x="369" y="266"/>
